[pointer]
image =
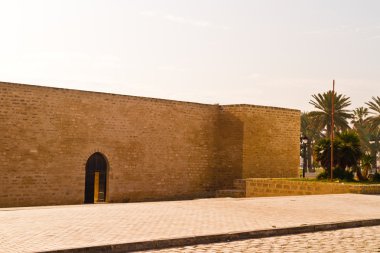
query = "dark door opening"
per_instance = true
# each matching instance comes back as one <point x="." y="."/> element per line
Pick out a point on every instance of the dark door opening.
<point x="96" y="179"/>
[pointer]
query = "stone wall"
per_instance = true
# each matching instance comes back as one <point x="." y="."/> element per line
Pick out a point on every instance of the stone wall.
<point x="261" y="187"/>
<point x="156" y="149"/>
<point x="270" y="147"/>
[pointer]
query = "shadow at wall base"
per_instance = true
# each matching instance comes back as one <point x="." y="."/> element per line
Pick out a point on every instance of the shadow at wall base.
<point x="135" y="199"/>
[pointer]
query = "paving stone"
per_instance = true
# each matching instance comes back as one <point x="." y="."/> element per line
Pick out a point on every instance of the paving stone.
<point x="367" y="239"/>
<point x="63" y="227"/>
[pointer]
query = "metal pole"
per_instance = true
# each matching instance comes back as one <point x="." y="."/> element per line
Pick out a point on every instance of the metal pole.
<point x="332" y="131"/>
<point x="304" y="159"/>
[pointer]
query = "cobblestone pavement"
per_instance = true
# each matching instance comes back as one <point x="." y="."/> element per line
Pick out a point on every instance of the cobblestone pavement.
<point x="365" y="239"/>
<point x="63" y="227"/>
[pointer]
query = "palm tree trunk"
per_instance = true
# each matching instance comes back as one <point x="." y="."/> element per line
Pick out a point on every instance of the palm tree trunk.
<point x="359" y="174"/>
<point x="374" y="151"/>
<point x="374" y="158"/>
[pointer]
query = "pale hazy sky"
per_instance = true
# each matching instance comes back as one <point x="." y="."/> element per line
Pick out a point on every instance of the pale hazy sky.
<point x="263" y="52"/>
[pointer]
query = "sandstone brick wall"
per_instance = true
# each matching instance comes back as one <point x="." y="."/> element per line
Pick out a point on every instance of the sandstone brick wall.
<point x="256" y="187"/>
<point x="229" y="161"/>
<point x="156" y="149"/>
<point x="271" y="143"/>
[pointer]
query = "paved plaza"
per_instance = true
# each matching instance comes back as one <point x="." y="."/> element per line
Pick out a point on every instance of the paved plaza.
<point x="50" y="228"/>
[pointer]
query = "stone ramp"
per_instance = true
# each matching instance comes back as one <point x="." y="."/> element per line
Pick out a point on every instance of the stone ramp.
<point x="137" y="226"/>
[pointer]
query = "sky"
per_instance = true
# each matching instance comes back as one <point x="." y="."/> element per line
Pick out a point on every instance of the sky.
<point x="262" y="52"/>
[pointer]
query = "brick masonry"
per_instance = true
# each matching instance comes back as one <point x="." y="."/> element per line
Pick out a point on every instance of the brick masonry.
<point x="264" y="187"/>
<point x="156" y="149"/>
<point x="271" y="140"/>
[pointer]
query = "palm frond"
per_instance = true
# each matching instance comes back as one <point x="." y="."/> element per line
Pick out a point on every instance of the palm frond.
<point x="322" y="116"/>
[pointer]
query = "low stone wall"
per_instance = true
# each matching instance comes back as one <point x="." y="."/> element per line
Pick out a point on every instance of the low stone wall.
<point x="261" y="187"/>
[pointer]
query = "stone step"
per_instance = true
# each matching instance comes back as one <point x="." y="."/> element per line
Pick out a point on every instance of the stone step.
<point x="232" y="193"/>
<point x="239" y="184"/>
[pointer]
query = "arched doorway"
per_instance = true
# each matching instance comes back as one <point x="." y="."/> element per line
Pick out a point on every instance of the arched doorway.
<point x="96" y="179"/>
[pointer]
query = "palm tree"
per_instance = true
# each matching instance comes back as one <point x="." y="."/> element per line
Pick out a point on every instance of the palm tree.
<point x="374" y="144"/>
<point x="369" y="136"/>
<point x="374" y="105"/>
<point x="322" y="117"/>
<point x="322" y="153"/>
<point x="374" y="125"/>
<point x="346" y="149"/>
<point x="360" y="125"/>
<point x="359" y="116"/>
<point x="349" y="149"/>
<point x="366" y="162"/>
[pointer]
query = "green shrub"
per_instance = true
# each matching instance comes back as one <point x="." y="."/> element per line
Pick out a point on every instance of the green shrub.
<point x="342" y="174"/>
<point x="375" y="177"/>
<point x="338" y="173"/>
<point x="323" y="175"/>
<point x="348" y="175"/>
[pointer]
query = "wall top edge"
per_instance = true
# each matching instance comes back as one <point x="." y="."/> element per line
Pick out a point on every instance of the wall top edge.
<point x="261" y="106"/>
<point x="40" y="87"/>
<point x="34" y="86"/>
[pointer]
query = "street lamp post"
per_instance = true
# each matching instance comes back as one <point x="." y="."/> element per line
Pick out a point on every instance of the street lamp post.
<point x="332" y="132"/>
<point x="304" y="141"/>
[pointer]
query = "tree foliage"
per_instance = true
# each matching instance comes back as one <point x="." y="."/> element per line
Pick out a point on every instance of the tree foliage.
<point x="322" y="116"/>
<point x="374" y="119"/>
<point x="357" y="132"/>
<point x="347" y="152"/>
